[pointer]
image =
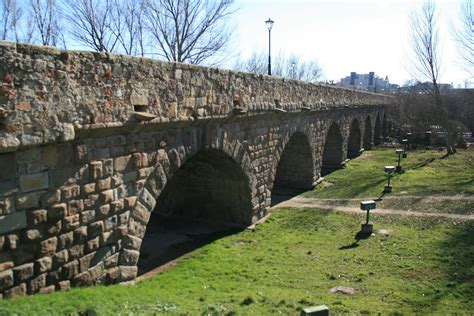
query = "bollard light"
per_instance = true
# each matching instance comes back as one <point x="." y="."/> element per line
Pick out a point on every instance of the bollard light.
<point x="399" y="153"/>
<point x="405" y="144"/>
<point x="367" y="227"/>
<point x="389" y="170"/>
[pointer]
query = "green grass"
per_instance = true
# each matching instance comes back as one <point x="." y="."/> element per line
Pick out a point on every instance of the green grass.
<point x="426" y="173"/>
<point x="426" y="265"/>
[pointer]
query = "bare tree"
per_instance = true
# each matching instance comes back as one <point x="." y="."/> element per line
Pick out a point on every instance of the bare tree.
<point x="426" y="60"/>
<point x="93" y="23"/>
<point x="464" y="35"/>
<point x="189" y="30"/>
<point x="45" y="20"/>
<point x="11" y="15"/>
<point x="129" y="18"/>
<point x="292" y="67"/>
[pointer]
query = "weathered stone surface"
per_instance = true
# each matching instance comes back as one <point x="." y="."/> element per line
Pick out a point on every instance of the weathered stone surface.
<point x="34" y="182"/>
<point x="82" y="175"/>
<point x="12" y="222"/>
<point x="23" y="272"/>
<point x="6" y="279"/>
<point x="26" y="201"/>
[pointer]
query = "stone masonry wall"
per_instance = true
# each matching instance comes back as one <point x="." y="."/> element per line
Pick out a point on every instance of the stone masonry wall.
<point x="48" y="95"/>
<point x="79" y="176"/>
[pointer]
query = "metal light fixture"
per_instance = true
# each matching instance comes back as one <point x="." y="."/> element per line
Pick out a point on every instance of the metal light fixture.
<point x="269" y="24"/>
<point x="389" y="170"/>
<point x="399" y="153"/>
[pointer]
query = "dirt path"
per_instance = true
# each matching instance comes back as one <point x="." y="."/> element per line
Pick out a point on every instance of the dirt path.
<point x="301" y="202"/>
<point x="397" y="197"/>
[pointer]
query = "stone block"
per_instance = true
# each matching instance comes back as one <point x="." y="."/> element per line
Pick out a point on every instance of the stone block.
<point x="75" y="207"/>
<point x="111" y="261"/>
<point x="32" y="234"/>
<point x="88" y="188"/>
<point x="34" y="182"/>
<point x="19" y="290"/>
<point x="128" y="273"/>
<point x="116" y="206"/>
<point x="57" y="211"/>
<point x="8" y="167"/>
<point x="63" y="285"/>
<point x="70" y="269"/>
<point x="47" y="290"/>
<point x="71" y="192"/>
<point x="106" y="197"/>
<point x="104" y="184"/>
<point x="93" y="244"/>
<point x="82" y="279"/>
<point x="48" y="246"/>
<point x="37" y="217"/>
<point x="60" y="258"/>
<point x="76" y="251"/>
<point x="87" y="217"/>
<point x="23" y="272"/>
<point x="103" y="211"/>
<point x="65" y="240"/>
<point x="53" y="228"/>
<point x="26" y="201"/>
<point x="132" y="242"/>
<point x="43" y="265"/>
<point x="7" y="204"/>
<point x="141" y="213"/>
<point x="6" y="262"/>
<point x="124" y="217"/>
<point x="321" y="310"/>
<point x="113" y="274"/>
<point x="80" y="234"/>
<point x="6" y="280"/>
<point x="12" y="222"/>
<point x="53" y="277"/>
<point x="95" y="229"/>
<point x="34" y="285"/>
<point x="71" y="222"/>
<point x="129" y="257"/>
<point x="136" y="228"/>
<point x="95" y="170"/>
<point x="121" y="163"/>
<point x="110" y="223"/>
<point x="97" y="271"/>
<point x="108" y="166"/>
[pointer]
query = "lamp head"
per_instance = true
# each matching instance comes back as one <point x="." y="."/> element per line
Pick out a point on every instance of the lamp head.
<point x="389" y="169"/>
<point x="269" y="24"/>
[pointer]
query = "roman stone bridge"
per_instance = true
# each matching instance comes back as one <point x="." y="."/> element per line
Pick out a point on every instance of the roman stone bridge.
<point x="92" y="145"/>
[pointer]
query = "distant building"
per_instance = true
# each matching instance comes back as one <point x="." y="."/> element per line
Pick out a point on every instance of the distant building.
<point x="367" y="82"/>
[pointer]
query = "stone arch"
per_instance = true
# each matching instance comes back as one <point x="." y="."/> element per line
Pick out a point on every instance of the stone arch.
<point x="368" y="134"/>
<point x="294" y="171"/>
<point x="333" y="152"/>
<point x="221" y="158"/>
<point x="377" y="130"/>
<point x="353" y="144"/>
<point x="210" y="186"/>
<point x="384" y="126"/>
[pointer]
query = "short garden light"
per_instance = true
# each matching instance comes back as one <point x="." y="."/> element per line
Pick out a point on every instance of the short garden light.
<point x="405" y="144"/>
<point x="389" y="170"/>
<point x="399" y="153"/>
<point x="367" y="206"/>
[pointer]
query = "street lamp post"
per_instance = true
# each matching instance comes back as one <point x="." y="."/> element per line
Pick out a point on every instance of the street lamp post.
<point x="269" y="24"/>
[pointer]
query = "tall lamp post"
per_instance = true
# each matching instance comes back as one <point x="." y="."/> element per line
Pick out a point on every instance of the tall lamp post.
<point x="269" y="24"/>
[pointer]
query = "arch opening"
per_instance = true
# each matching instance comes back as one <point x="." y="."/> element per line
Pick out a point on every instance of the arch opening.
<point x="333" y="153"/>
<point x="384" y="126"/>
<point x="207" y="198"/>
<point x="294" y="173"/>
<point x="368" y="134"/>
<point x="353" y="144"/>
<point x="377" y="131"/>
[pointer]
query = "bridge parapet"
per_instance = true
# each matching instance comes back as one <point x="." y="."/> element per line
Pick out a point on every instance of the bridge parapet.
<point x="48" y="95"/>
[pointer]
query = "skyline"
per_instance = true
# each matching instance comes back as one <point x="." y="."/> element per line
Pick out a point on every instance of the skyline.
<point x="345" y="36"/>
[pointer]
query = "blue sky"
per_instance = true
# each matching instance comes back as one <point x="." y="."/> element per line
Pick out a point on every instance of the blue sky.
<point x="345" y="35"/>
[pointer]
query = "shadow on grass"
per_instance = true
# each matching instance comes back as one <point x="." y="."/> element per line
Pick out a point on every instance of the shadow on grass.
<point x="358" y="237"/>
<point x="423" y="164"/>
<point x="168" y="239"/>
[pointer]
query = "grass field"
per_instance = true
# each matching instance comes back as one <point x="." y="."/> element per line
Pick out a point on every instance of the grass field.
<point x="424" y="266"/>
